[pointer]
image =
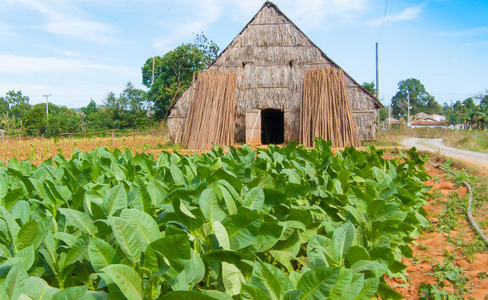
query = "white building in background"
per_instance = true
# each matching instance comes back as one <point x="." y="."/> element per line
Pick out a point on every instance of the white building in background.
<point x="439" y="118"/>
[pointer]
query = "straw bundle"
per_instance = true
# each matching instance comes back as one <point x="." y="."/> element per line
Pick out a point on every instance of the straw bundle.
<point x="325" y="110"/>
<point x="211" y="118"/>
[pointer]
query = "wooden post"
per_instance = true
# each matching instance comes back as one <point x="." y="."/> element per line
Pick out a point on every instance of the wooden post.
<point x="19" y="140"/>
<point x="113" y="133"/>
<point x="134" y="136"/>
<point x="69" y="137"/>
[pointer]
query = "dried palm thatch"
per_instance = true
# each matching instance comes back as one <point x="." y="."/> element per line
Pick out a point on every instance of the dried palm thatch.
<point x="211" y="117"/>
<point x="325" y="110"/>
<point x="271" y="56"/>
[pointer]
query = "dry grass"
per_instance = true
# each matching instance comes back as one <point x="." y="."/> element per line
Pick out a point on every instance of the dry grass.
<point x="461" y="139"/>
<point x="468" y="140"/>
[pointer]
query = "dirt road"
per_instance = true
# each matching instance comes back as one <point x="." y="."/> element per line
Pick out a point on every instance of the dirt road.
<point x="436" y="145"/>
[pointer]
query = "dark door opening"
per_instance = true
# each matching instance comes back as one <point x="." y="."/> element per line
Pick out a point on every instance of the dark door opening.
<point x="273" y="126"/>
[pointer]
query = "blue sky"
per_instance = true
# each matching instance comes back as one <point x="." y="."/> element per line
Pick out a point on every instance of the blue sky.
<point x="77" y="50"/>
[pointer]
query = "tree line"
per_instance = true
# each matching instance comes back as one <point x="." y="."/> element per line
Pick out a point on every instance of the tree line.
<point x="127" y="111"/>
<point x="166" y="78"/>
<point x="470" y="113"/>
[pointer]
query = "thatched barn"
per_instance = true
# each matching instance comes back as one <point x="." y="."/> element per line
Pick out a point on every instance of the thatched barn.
<point x="272" y="84"/>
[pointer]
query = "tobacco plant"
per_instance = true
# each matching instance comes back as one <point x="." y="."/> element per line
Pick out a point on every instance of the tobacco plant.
<point x="275" y="223"/>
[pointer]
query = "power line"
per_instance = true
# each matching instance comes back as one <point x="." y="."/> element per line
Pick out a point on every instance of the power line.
<point x="383" y="22"/>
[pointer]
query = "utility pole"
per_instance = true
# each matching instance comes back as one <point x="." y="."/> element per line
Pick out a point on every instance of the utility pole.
<point x="408" y="110"/>
<point x="389" y="116"/>
<point x="47" y="99"/>
<point x="154" y="61"/>
<point x="152" y="83"/>
<point x="377" y="84"/>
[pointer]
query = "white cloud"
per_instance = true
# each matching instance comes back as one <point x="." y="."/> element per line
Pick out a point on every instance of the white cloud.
<point x="466" y="32"/>
<point x="11" y="64"/>
<point x="200" y="15"/>
<point x="407" y="14"/>
<point x="65" y="19"/>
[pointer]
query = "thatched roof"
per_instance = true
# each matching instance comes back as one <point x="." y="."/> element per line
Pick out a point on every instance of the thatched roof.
<point x="259" y="19"/>
<point x="271" y="56"/>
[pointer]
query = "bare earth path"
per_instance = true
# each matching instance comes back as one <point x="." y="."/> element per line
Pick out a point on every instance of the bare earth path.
<point x="436" y="145"/>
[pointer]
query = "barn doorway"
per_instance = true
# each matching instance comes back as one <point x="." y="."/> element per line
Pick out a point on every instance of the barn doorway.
<point x="273" y="126"/>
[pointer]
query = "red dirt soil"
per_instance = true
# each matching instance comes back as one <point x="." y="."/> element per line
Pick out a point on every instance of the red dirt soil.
<point x="431" y="247"/>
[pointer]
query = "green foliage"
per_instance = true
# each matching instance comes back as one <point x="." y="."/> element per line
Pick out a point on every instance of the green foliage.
<point x="370" y="87"/>
<point x="420" y="99"/>
<point x="13" y="107"/>
<point x="445" y="274"/>
<point x="129" y="109"/>
<point x="467" y="115"/>
<point x="173" y="72"/>
<point x="61" y="119"/>
<point x="279" y="223"/>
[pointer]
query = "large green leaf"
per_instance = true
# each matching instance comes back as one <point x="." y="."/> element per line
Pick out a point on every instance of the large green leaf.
<point x="343" y="285"/>
<point x="127" y="238"/>
<point x="210" y="206"/>
<point x="3" y="187"/>
<point x="100" y="253"/>
<point x="188" y="295"/>
<point x="387" y="292"/>
<point x="369" y="289"/>
<point x="263" y="279"/>
<point x="357" y="253"/>
<point x="145" y="225"/>
<point x="126" y="278"/>
<point x="232" y="279"/>
<point x="27" y="234"/>
<point x="39" y="289"/>
<point x="367" y="265"/>
<point x="178" y="176"/>
<point x="75" y="253"/>
<point x="21" y="211"/>
<point x="79" y="220"/>
<point x="269" y="234"/>
<point x="72" y="293"/>
<point x="221" y="235"/>
<point x="12" y="225"/>
<point x="251" y="292"/>
<point x="317" y="283"/>
<point x="342" y="240"/>
<point x="194" y="268"/>
<point x="115" y="199"/>
<point x="26" y="257"/>
<point x="242" y="228"/>
<point x="15" y="282"/>
<point x="254" y="198"/>
<point x="176" y="250"/>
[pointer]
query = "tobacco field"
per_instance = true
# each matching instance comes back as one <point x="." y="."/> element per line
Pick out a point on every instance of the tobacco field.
<point x="275" y="223"/>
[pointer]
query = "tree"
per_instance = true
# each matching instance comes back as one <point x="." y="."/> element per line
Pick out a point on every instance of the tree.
<point x="35" y="120"/>
<point x="62" y="119"/>
<point x="15" y="106"/>
<point x="127" y="110"/>
<point x="173" y="72"/>
<point x="420" y="99"/>
<point x="370" y="87"/>
<point x="133" y="101"/>
<point x="3" y="106"/>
